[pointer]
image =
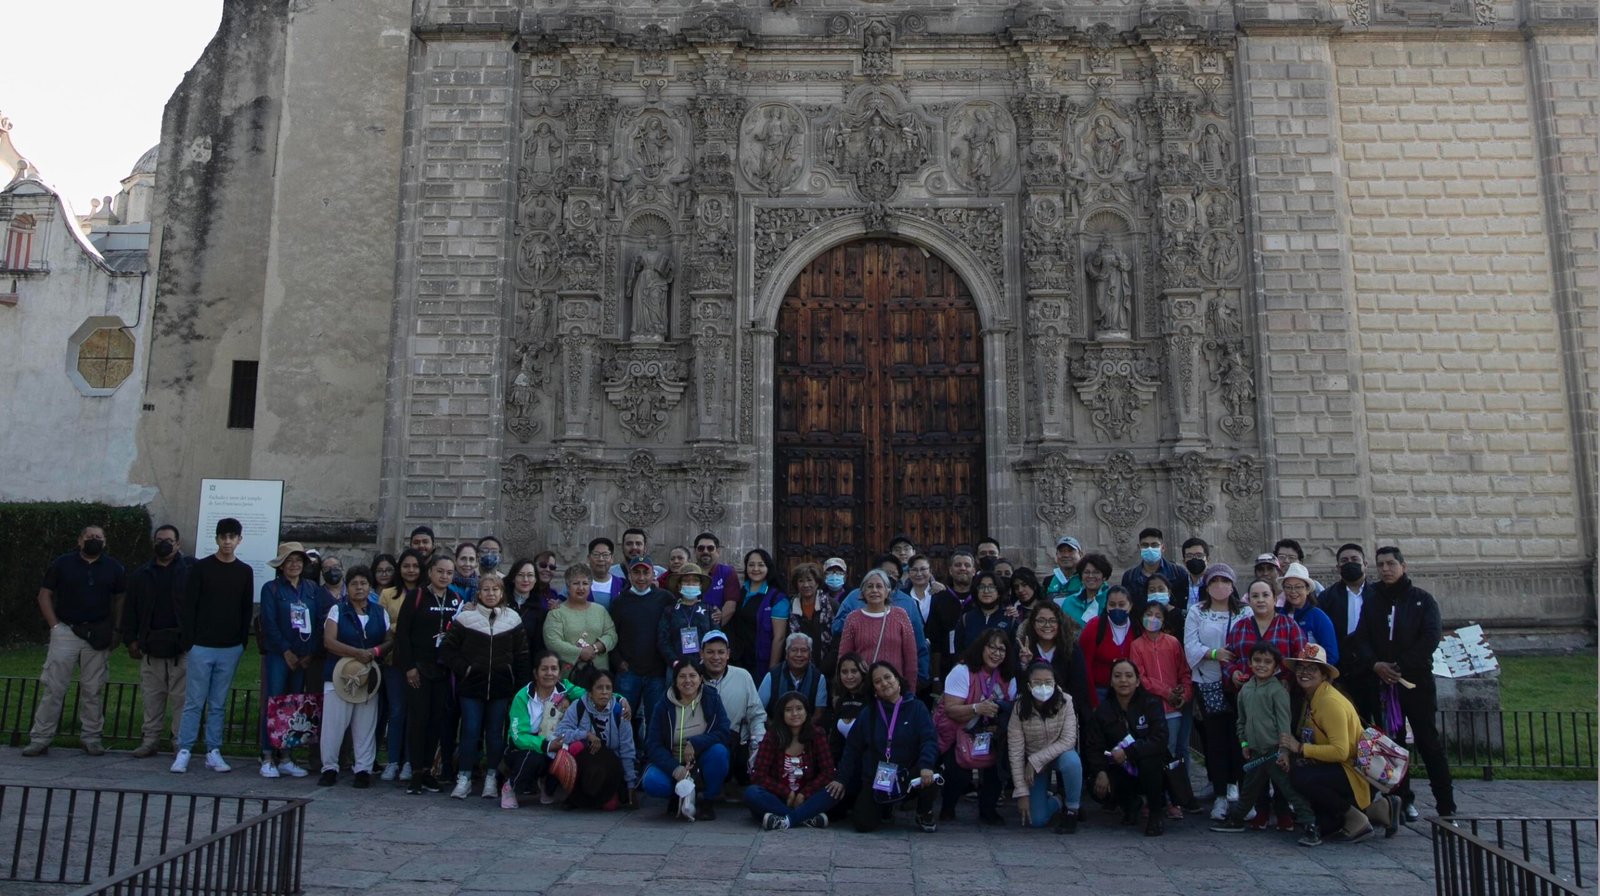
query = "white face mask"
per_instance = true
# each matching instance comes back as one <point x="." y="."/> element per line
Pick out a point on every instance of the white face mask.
<point x="1042" y="692"/>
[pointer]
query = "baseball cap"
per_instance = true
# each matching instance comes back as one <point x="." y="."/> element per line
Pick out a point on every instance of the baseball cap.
<point x="713" y="635"/>
<point x="1067" y="541"/>
<point x="833" y="562"/>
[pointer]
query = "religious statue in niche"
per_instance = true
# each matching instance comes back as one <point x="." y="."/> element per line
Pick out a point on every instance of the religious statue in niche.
<point x="1213" y="153"/>
<point x="543" y="148"/>
<point x="982" y="149"/>
<point x="1111" y="286"/>
<point x="649" y="288"/>
<point x="653" y="144"/>
<point x="1106" y="144"/>
<point x="775" y="136"/>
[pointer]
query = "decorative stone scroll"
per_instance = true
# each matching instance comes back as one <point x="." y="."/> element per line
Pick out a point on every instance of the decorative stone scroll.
<point x="642" y="503"/>
<point x="570" y="486"/>
<point x="1116" y="382"/>
<point x="1191" y="485"/>
<point x="1121" y="504"/>
<point x="875" y="140"/>
<point x="709" y="471"/>
<point x="645" y="382"/>
<point x="1243" y="488"/>
<point x="1052" y="486"/>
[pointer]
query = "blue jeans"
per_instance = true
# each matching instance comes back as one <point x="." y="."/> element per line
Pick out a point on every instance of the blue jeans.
<point x="1041" y="805"/>
<point x="276" y="680"/>
<point x="485" y="719"/>
<point x="1185" y="731"/>
<point x="394" y="698"/>
<point x="644" y="693"/>
<point x="210" y="676"/>
<point x="762" y="801"/>
<point x="713" y="767"/>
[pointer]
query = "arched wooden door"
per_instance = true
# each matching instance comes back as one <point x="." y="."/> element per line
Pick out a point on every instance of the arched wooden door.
<point x="879" y="407"/>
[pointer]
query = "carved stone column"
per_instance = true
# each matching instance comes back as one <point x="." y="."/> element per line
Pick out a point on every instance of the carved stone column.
<point x="580" y="362"/>
<point x="716" y="142"/>
<point x="1047" y="234"/>
<point x="1183" y="331"/>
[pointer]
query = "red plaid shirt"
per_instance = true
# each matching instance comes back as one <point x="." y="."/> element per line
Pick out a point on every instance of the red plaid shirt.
<point x="767" y="772"/>
<point x="1283" y="633"/>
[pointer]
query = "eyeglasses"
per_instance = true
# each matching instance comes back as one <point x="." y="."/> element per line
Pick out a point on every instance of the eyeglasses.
<point x="996" y="648"/>
<point x="705" y="548"/>
<point x="549" y="566"/>
<point x="987" y="588"/>
<point x="599" y="553"/>
<point x="1046" y="623"/>
<point x="1297" y="587"/>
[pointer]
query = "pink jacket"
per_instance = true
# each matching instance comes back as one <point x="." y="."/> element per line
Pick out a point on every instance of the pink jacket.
<point x="1161" y="665"/>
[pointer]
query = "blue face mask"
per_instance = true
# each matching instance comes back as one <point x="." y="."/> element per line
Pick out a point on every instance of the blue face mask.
<point x="1118" y="616"/>
<point x="690" y="592"/>
<point x="1160" y="597"/>
<point x="488" y="562"/>
<point x="834" y="580"/>
<point x="1150" y="555"/>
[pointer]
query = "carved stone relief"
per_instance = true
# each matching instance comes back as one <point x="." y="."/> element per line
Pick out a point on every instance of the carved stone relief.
<point x="773" y="146"/>
<point x="644" y="383"/>
<point x="1191" y="485"/>
<point x="531" y="343"/>
<point x="570" y="486"/>
<point x="1053" y="489"/>
<point x="1115" y="382"/>
<point x="1121" y="504"/>
<point x="1231" y="371"/>
<point x="1243" y="487"/>
<point x="982" y="143"/>
<point x="707" y="473"/>
<point x="874" y="141"/>
<point x="643" y="502"/>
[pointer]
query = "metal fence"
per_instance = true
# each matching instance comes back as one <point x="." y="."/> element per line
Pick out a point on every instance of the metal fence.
<point x="1520" y="740"/>
<point x="1512" y="856"/>
<point x="124" y="714"/>
<point x="75" y="835"/>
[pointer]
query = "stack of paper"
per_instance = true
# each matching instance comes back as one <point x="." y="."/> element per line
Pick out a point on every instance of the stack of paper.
<point x="1464" y="654"/>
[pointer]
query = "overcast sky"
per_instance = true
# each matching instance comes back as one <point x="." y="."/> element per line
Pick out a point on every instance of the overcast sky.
<point x="84" y="83"/>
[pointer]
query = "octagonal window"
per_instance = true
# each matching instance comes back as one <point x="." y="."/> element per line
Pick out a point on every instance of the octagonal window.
<point x="106" y="358"/>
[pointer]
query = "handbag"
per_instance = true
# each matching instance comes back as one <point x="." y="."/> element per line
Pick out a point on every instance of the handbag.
<point x="1380" y="760"/>
<point x="1213" y="697"/>
<point x="97" y="633"/>
<point x="293" y="720"/>
<point x="966" y="738"/>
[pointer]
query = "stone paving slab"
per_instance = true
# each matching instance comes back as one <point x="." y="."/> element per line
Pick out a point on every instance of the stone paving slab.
<point x="382" y="841"/>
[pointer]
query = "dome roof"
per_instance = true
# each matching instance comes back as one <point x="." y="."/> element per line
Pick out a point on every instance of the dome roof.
<point x="147" y="162"/>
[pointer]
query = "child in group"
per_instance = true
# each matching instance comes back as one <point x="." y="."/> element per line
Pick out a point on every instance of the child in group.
<point x="1263" y="704"/>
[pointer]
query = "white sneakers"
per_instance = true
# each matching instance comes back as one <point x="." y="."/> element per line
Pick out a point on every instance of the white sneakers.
<point x="1233" y="793"/>
<point x="508" y="796"/>
<point x="463" y="785"/>
<point x="391" y="771"/>
<point x="180" y="763"/>
<point x="489" y="790"/>
<point x="1219" y="809"/>
<point x="287" y="767"/>
<point x="214" y="761"/>
<point x="405" y="772"/>
<point x="268" y="770"/>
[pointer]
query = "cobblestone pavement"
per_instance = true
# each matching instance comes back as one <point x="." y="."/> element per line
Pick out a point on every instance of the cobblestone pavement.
<point x="381" y="841"/>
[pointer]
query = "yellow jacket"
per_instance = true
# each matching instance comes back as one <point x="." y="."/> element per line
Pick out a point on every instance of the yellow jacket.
<point x="1336" y="729"/>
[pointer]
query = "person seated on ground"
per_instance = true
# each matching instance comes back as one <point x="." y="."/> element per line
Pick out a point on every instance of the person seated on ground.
<point x="1107" y="638"/>
<point x="977" y="694"/>
<point x="687" y="746"/>
<point x="358" y="628"/>
<point x="486" y="649"/>
<point x="536" y="713"/>
<point x="879" y="631"/>
<point x="796" y="673"/>
<point x="1166" y="674"/>
<point x="1125" y="748"/>
<point x="890" y="755"/>
<point x="851" y="692"/>
<point x="1301" y="606"/>
<point x="595" y="731"/>
<point x="988" y="611"/>
<point x="1043" y="737"/>
<point x="741" y="701"/>
<point x="1263" y="708"/>
<point x="792" y="769"/>
<point x="1321" y="758"/>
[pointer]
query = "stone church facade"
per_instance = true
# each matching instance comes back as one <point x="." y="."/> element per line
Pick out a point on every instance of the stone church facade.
<point x="552" y="269"/>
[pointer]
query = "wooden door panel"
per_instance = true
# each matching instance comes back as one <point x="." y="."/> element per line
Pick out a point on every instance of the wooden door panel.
<point x="879" y="417"/>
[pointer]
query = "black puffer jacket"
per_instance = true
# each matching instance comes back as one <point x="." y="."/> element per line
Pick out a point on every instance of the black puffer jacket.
<point x="488" y="652"/>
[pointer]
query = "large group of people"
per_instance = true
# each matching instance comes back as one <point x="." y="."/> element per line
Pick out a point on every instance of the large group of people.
<point x="808" y="695"/>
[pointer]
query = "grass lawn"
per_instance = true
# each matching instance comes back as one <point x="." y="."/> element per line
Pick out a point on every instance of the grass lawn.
<point x="26" y="661"/>
<point x="1549" y="682"/>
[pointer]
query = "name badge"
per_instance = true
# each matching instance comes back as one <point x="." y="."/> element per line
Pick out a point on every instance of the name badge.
<point x="689" y="640"/>
<point x="300" y="618"/>
<point x="438" y="640"/>
<point x="980" y="743"/>
<point x="887" y="778"/>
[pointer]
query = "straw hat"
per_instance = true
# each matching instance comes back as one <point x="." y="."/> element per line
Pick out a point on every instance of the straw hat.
<point x="1313" y="653"/>
<point x="285" y="549"/>
<point x="355" y="681"/>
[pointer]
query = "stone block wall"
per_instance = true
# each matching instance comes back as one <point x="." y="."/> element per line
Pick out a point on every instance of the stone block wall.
<point x="1458" y="344"/>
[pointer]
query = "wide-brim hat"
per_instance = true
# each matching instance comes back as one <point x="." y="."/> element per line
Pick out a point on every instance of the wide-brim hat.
<point x="1297" y="571"/>
<point x="355" y="681"/>
<point x="687" y="570"/>
<point x="1314" y="653"/>
<point x="287" y="548"/>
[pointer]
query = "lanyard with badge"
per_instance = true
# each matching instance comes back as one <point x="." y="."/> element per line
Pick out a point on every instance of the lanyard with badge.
<point x="689" y="636"/>
<point x="982" y="740"/>
<point x="300" y="618"/>
<point x="887" y="778"/>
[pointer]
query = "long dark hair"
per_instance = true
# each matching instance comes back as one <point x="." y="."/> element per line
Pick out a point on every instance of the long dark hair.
<point x="774" y="579"/>
<point x="1066" y="629"/>
<point x="1047" y="709"/>
<point x="1000" y="596"/>
<point x="1023" y="575"/>
<point x="785" y="737"/>
<point x="422" y="565"/>
<point x="377" y="559"/>
<point x="864" y="691"/>
<point x="972" y="657"/>
<point x="885" y="664"/>
<point x="1139" y="692"/>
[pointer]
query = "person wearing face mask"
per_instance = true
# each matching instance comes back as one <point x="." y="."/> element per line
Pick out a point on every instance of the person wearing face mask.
<point x="81" y="600"/>
<point x="1343" y="601"/>
<point x="1152" y="563"/>
<point x="637" y="615"/>
<point x="489" y="550"/>
<point x="687" y="620"/>
<point x="1196" y="557"/>
<point x="486" y="650"/>
<point x="834" y="571"/>
<point x="1107" y="638"/>
<point x="1165" y="673"/>
<point x="1043" y="737"/>
<point x="152" y="632"/>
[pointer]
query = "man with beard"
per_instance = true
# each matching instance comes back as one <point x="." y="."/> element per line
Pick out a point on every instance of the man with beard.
<point x="724" y="581"/>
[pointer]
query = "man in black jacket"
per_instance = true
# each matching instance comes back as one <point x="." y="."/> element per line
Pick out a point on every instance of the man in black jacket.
<point x="153" y="634"/>
<point x="1343" y="602"/>
<point x="1401" y="628"/>
<point x="641" y="672"/>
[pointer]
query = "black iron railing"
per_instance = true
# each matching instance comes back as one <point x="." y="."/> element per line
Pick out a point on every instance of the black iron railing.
<point x="260" y="856"/>
<point x="1511" y="856"/>
<point x="1520" y="740"/>
<point x="124" y="714"/>
<point x="77" y="835"/>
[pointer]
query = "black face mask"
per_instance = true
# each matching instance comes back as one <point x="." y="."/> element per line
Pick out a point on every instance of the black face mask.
<point x="1350" y="572"/>
<point x="94" y="547"/>
<point x="1195" y="566"/>
<point x="164" y="549"/>
<point x="333" y="576"/>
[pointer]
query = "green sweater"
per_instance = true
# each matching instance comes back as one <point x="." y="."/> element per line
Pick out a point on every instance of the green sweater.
<point x="1263" y="714"/>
